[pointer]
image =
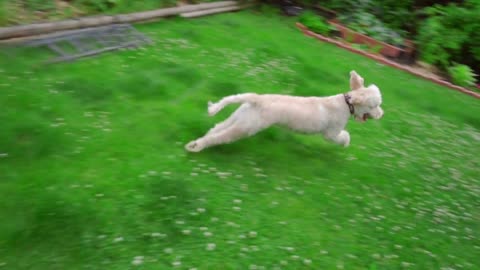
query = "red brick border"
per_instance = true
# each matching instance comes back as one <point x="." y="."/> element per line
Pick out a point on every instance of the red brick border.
<point x="385" y="61"/>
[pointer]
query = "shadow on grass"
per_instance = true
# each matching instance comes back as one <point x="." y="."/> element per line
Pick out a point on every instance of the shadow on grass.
<point x="170" y="200"/>
<point x="294" y="150"/>
<point x="44" y="220"/>
<point x="27" y="131"/>
<point x="224" y="88"/>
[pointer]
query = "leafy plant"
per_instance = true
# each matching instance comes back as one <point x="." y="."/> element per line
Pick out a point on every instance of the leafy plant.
<point x="350" y="37"/>
<point x="396" y="14"/>
<point x="450" y="34"/>
<point x="440" y="37"/>
<point x="376" y="49"/>
<point x="362" y="47"/>
<point x="462" y="75"/>
<point x="315" y="23"/>
<point x="367" y="24"/>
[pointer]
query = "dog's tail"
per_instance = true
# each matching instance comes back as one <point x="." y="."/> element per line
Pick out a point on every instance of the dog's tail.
<point x="214" y="108"/>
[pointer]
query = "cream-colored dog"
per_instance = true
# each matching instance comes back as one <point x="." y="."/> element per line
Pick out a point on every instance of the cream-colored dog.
<point x="325" y="115"/>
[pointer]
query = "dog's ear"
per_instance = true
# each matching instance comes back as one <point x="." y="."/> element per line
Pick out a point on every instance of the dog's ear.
<point x="358" y="97"/>
<point x="356" y="81"/>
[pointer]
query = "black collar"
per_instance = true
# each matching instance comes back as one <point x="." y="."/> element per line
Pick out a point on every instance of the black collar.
<point x="350" y="105"/>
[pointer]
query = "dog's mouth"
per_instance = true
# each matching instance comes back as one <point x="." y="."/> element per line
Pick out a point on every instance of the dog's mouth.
<point x="364" y="117"/>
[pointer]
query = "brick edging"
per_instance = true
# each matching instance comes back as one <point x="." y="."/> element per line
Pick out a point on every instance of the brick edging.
<point x="385" y="61"/>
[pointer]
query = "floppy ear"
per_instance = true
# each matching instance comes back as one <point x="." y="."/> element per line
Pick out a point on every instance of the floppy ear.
<point x="356" y="81"/>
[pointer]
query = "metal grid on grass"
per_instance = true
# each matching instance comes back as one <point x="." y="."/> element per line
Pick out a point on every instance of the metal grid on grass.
<point x="75" y="44"/>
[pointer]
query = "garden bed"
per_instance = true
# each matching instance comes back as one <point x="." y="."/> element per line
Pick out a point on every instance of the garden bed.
<point x="455" y="59"/>
<point x="383" y="60"/>
<point x="384" y="48"/>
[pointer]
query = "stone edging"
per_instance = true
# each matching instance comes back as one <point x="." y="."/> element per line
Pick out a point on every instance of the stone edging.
<point x="385" y="61"/>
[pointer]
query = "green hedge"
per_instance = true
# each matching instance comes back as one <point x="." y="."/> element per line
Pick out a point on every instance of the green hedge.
<point x="451" y="34"/>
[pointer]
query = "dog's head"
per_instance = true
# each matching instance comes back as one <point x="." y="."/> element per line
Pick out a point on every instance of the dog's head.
<point x="365" y="100"/>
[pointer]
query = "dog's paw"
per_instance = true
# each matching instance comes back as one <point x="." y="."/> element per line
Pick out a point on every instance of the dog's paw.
<point x="347" y="142"/>
<point x="193" y="146"/>
<point x="213" y="108"/>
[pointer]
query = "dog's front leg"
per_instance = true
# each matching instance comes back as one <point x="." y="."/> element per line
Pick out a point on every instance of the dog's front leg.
<point x="342" y="138"/>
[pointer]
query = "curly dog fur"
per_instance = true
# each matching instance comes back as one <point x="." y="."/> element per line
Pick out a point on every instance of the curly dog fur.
<point x="325" y="115"/>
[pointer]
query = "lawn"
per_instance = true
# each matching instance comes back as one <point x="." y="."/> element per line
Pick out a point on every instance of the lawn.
<point x="94" y="174"/>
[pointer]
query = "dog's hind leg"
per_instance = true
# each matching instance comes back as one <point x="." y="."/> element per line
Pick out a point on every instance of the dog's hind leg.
<point x="229" y="121"/>
<point x="221" y="126"/>
<point x="236" y="115"/>
<point x="224" y="136"/>
<point x="244" y="122"/>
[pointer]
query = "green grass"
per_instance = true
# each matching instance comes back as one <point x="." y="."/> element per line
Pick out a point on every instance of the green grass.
<point x="3" y="12"/>
<point x="93" y="171"/>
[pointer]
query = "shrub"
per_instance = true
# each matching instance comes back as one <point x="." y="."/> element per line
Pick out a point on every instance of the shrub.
<point x="450" y="34"/>
<point x="442" y="36"/>
<point x="398" y="15"/>
<point x="462" y="75"/>
<point x="315" y="23"/>
<point x="473" y="27"/>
